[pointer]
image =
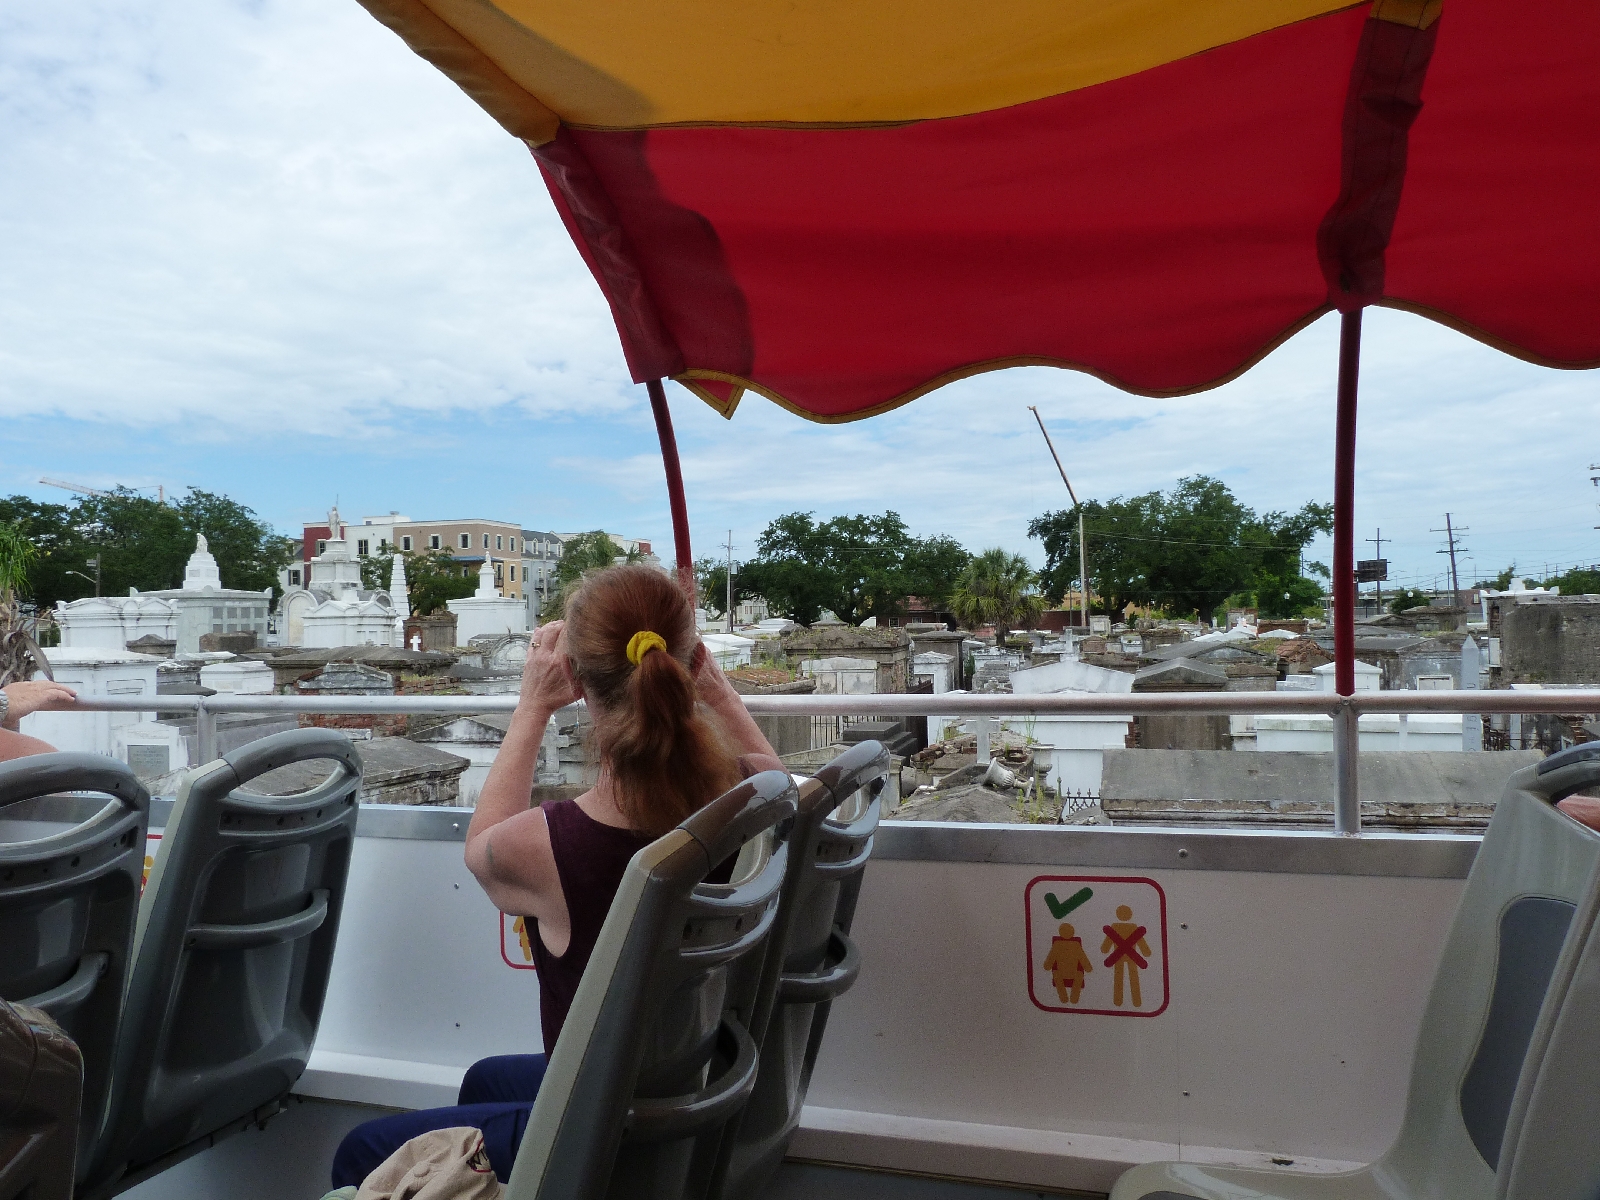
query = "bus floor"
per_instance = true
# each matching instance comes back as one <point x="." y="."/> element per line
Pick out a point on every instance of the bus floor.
<point x="288" y="1160"/>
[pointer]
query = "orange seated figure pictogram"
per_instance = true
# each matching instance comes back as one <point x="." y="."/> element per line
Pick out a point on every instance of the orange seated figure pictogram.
<point x="1129" y="954"/>
<point x="520" y="928"/>
<point x="1067" y="964"/>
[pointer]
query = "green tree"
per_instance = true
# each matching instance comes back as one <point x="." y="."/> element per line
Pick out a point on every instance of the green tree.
<point x="48" y="529"/>
<point x="997" y="588"/>
<point x="1579" y="581"/>
<point x="141" y="543"/>
<point x="711" y="580"/>
<point x="932" y="568"/>
<point x="1121" y="534"/>
<point x="1185" y="551"/>
<point x="432" y="578"/>
<point x="19" y="653"/>
<point x="1408" y="598"/>
<point x="858" y="567"/>
<point x="1282" y="588"/>
<point x="249" y="554"/>
<point x="593" y="551"/>
<point x="791" y="568"/>
<point x="376" y="569"/>
<point x="1500" y="582"/>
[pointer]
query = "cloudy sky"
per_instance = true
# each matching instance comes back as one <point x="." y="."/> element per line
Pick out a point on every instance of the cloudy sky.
<point x="262" y="249"/>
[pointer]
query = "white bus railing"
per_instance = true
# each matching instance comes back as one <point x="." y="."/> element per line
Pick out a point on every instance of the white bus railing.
<point x="1345" y="711"/>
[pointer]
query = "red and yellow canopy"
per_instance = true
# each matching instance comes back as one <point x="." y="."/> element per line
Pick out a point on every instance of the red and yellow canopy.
<point x="842" y="204"/>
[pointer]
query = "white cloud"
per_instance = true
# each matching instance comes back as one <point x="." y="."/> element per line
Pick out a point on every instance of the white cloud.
<point x="273" y="217"/>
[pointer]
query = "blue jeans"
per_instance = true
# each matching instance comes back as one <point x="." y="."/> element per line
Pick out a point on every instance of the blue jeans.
<point x="496" y="1096"/>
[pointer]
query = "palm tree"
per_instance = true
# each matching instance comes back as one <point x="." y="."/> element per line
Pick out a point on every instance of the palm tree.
<point x="997" y="589"/>
<point x="20" y="655"/>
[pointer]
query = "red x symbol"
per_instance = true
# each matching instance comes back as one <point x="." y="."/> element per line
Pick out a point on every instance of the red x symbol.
<point x="1123" y="947"/>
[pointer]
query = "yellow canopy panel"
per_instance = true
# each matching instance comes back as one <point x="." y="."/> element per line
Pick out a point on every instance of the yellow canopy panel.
<point x="610" y="65"/>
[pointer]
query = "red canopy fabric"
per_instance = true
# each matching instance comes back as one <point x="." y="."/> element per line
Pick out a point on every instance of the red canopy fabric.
<point x="1162" y="229"/>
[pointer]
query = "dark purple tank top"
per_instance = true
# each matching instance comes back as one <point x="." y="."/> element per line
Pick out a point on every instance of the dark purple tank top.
<point x="590" y="860"/>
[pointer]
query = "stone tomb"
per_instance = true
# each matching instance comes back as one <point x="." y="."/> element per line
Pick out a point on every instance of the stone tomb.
<point x="181" y="615"/>
<point x="888" y="649"/>
<point x="238" y="677"/>
<point x="476" y="738"/>
<point x="352" y="679"/>
<point x="111" y="622"/>
<point x="394" y="771"/>
<point x="94" y="674"/>
<point x="486" y="611"/>
<point x="333" y="610"/>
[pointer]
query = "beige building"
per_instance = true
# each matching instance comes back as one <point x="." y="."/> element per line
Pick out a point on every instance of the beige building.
<point x="469" y="541"/>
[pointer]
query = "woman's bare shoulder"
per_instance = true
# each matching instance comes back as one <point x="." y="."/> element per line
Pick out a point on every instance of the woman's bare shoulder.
<point x="515" y="864"/>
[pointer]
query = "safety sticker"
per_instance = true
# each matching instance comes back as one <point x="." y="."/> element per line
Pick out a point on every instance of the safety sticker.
<point x="516" y="951"/>
<point x="1097" y="944"/>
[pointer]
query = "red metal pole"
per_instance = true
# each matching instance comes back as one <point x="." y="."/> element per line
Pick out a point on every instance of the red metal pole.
<point x="669" y="462"/>
<point x="1344" y="499"/>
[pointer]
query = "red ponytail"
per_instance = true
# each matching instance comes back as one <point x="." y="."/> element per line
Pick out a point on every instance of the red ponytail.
<point x="664" y="750"/>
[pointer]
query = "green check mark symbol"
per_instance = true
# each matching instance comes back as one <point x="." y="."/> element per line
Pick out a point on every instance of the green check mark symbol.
<point x="1060" y="908"/>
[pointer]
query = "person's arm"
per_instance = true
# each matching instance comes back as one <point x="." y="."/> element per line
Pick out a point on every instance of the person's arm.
<point x="718" y="695"/>
<point x="36" y="695"/>
<point x="508" y="843"/>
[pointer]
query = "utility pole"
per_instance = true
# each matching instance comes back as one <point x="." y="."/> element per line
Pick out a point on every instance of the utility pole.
<point x="1451" y="532"/>
<point x="1377" y="552"/>
<point x="730" y="580"/>
<point x="1083" y="550"/>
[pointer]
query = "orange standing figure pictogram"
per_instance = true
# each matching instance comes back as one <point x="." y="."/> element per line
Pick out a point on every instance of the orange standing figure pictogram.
<point x="1129" y="954"/>
<point x="1067" y="964"/>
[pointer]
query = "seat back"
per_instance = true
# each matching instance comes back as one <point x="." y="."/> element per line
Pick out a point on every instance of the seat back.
<point x="1525" y="915"/>
<point x="810" y="961"/>
<point x="41" y="1088"/>
<point x="1550" y="1152"/>
<point x="653" y="1059"/>
<point x="232" y="949"/>
<point x="70" y="869"/>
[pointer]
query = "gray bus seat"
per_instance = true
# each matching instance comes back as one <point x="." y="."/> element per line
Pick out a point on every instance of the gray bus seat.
<point x="231" y="955"/>
<point x="1509" y="986"/>
<point x="1547" y="1154"/>
<point x="810" y="961"/>
<point x="70" y="868"/>
<point x="653" y="1061"/>
<point x="41" y="1088"/>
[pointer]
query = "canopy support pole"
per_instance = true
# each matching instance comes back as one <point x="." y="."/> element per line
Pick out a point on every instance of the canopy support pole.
<point x="675" y="500"/>
<point x="1346" y="733"/>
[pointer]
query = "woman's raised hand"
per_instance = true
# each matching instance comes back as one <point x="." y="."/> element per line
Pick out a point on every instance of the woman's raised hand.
<point x="709" y="681"/>
<point x="547" y="681"/>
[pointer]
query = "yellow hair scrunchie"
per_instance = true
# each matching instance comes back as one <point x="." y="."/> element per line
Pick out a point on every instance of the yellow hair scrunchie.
<point x="642" y="643"/>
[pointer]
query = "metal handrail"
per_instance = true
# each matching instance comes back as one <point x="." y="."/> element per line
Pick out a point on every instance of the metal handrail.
<point x="948" y="704"/>
<point x="1346" y="712"/>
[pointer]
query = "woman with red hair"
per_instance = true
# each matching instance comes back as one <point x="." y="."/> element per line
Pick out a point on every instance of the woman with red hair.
<point x="671" y="735"/>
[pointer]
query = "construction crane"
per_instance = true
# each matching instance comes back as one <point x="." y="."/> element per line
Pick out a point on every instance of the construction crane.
<point x="73" y="487"/>
<point x="161" y="489"/>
